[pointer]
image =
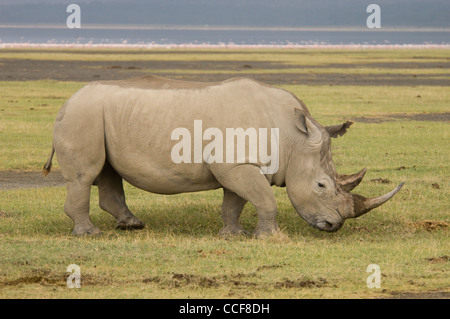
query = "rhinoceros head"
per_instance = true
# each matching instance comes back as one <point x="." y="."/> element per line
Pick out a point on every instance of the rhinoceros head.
<point x="317" y="192"/>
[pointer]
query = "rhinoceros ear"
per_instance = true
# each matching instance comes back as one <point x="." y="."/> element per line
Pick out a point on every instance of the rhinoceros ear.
<point x="306" y="126"/>
<point x="300" y="120"/>
<point x="338" y="130"/>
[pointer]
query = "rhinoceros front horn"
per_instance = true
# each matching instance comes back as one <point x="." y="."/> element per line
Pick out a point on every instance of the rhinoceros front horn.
<point x="349" y="182"/>
<point x="362" y="205"/>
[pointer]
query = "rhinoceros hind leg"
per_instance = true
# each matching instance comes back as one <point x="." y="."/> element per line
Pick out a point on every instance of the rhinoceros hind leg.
<point x="77" y="208"/>
<point x="79" y="142"/>
<point x="232" y="206"/>
<point x="112" y="199"/>
<point x="248" y="183"/>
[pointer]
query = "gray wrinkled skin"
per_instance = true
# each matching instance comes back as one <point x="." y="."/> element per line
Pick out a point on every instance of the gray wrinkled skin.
<point x="114" y="130"/>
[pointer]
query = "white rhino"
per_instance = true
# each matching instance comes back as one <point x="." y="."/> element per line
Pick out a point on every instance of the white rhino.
<point x="114" y="130"/>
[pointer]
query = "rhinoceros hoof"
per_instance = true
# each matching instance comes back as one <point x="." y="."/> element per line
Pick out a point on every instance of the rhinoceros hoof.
<point x="265" y="232"/>
<point x="85" y="230"/>
<point x="233" y="231"/>
<point x="130" y="224"/>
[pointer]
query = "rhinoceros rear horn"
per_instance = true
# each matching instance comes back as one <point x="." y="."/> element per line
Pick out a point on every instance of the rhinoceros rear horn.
<point x="349" y="182"/>
<point x="362" y="205"/>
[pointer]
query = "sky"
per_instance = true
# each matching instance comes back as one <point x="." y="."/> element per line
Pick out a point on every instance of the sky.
<point x="258" y="13"/>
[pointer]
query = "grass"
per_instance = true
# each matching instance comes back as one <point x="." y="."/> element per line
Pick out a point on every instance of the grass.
<point x="311" y="57"/>
<point x="179" y="255"/>
<point x="28" y="110"/>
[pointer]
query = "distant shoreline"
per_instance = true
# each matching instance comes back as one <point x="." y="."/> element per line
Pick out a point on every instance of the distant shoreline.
<point x="19" y="45"/>
<point x="216" y="37"/>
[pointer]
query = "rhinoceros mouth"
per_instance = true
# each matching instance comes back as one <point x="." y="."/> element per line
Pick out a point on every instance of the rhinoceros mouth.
<point x="326" y="224"/>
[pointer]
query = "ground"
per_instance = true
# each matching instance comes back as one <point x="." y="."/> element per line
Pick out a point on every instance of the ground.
<point x="398" y="101"/>
<point x="427" y="73"/>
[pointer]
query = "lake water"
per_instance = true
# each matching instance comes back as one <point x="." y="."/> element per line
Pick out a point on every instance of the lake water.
<point x="219" y="36"/>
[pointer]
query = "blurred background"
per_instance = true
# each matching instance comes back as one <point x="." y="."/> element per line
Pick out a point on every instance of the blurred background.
<point x="231" y="22"/>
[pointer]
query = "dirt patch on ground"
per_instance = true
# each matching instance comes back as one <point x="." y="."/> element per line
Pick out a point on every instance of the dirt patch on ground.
<point x="4" y="214"/>
<point x="17" y="179"/>
<point x="381" y="180"/>
<point x="179" y="280"/>
<point x="301" y="283"/>
<point x="364" y="119"/>
<point x="429" y="225"/>
<point x="435" y="186"/>
<point x="432" y="117"/>
<point x="270" y="267"/>
<point x="86" y="71"/>
<point x="46" y="277"/>
<point x="438" y="260"/>
<point x="37" y="279"/>
<point x="38" y="276"/>
<point x="215" y="252"/>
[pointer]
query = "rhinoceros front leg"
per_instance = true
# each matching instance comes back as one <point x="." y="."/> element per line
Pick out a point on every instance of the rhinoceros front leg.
<point x="112" y="199"/>
<point x="232" y="206"/>
<point x="247" y="182"/>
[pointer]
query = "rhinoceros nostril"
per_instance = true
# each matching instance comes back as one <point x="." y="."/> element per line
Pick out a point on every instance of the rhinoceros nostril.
<point x="329" y="226"/>
<point x="325" y="225"/>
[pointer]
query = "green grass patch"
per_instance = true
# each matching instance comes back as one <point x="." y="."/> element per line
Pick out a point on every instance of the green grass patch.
<point x="178" y="254"/>
<point x="311" y="57"/>
<point x="27" y="112"/>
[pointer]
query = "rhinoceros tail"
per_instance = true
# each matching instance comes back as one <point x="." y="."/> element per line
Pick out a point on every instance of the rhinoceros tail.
<point x="48" y="166"/>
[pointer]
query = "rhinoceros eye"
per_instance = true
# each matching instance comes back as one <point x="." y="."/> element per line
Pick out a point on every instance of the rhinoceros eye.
<point x="321" y="185"/>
